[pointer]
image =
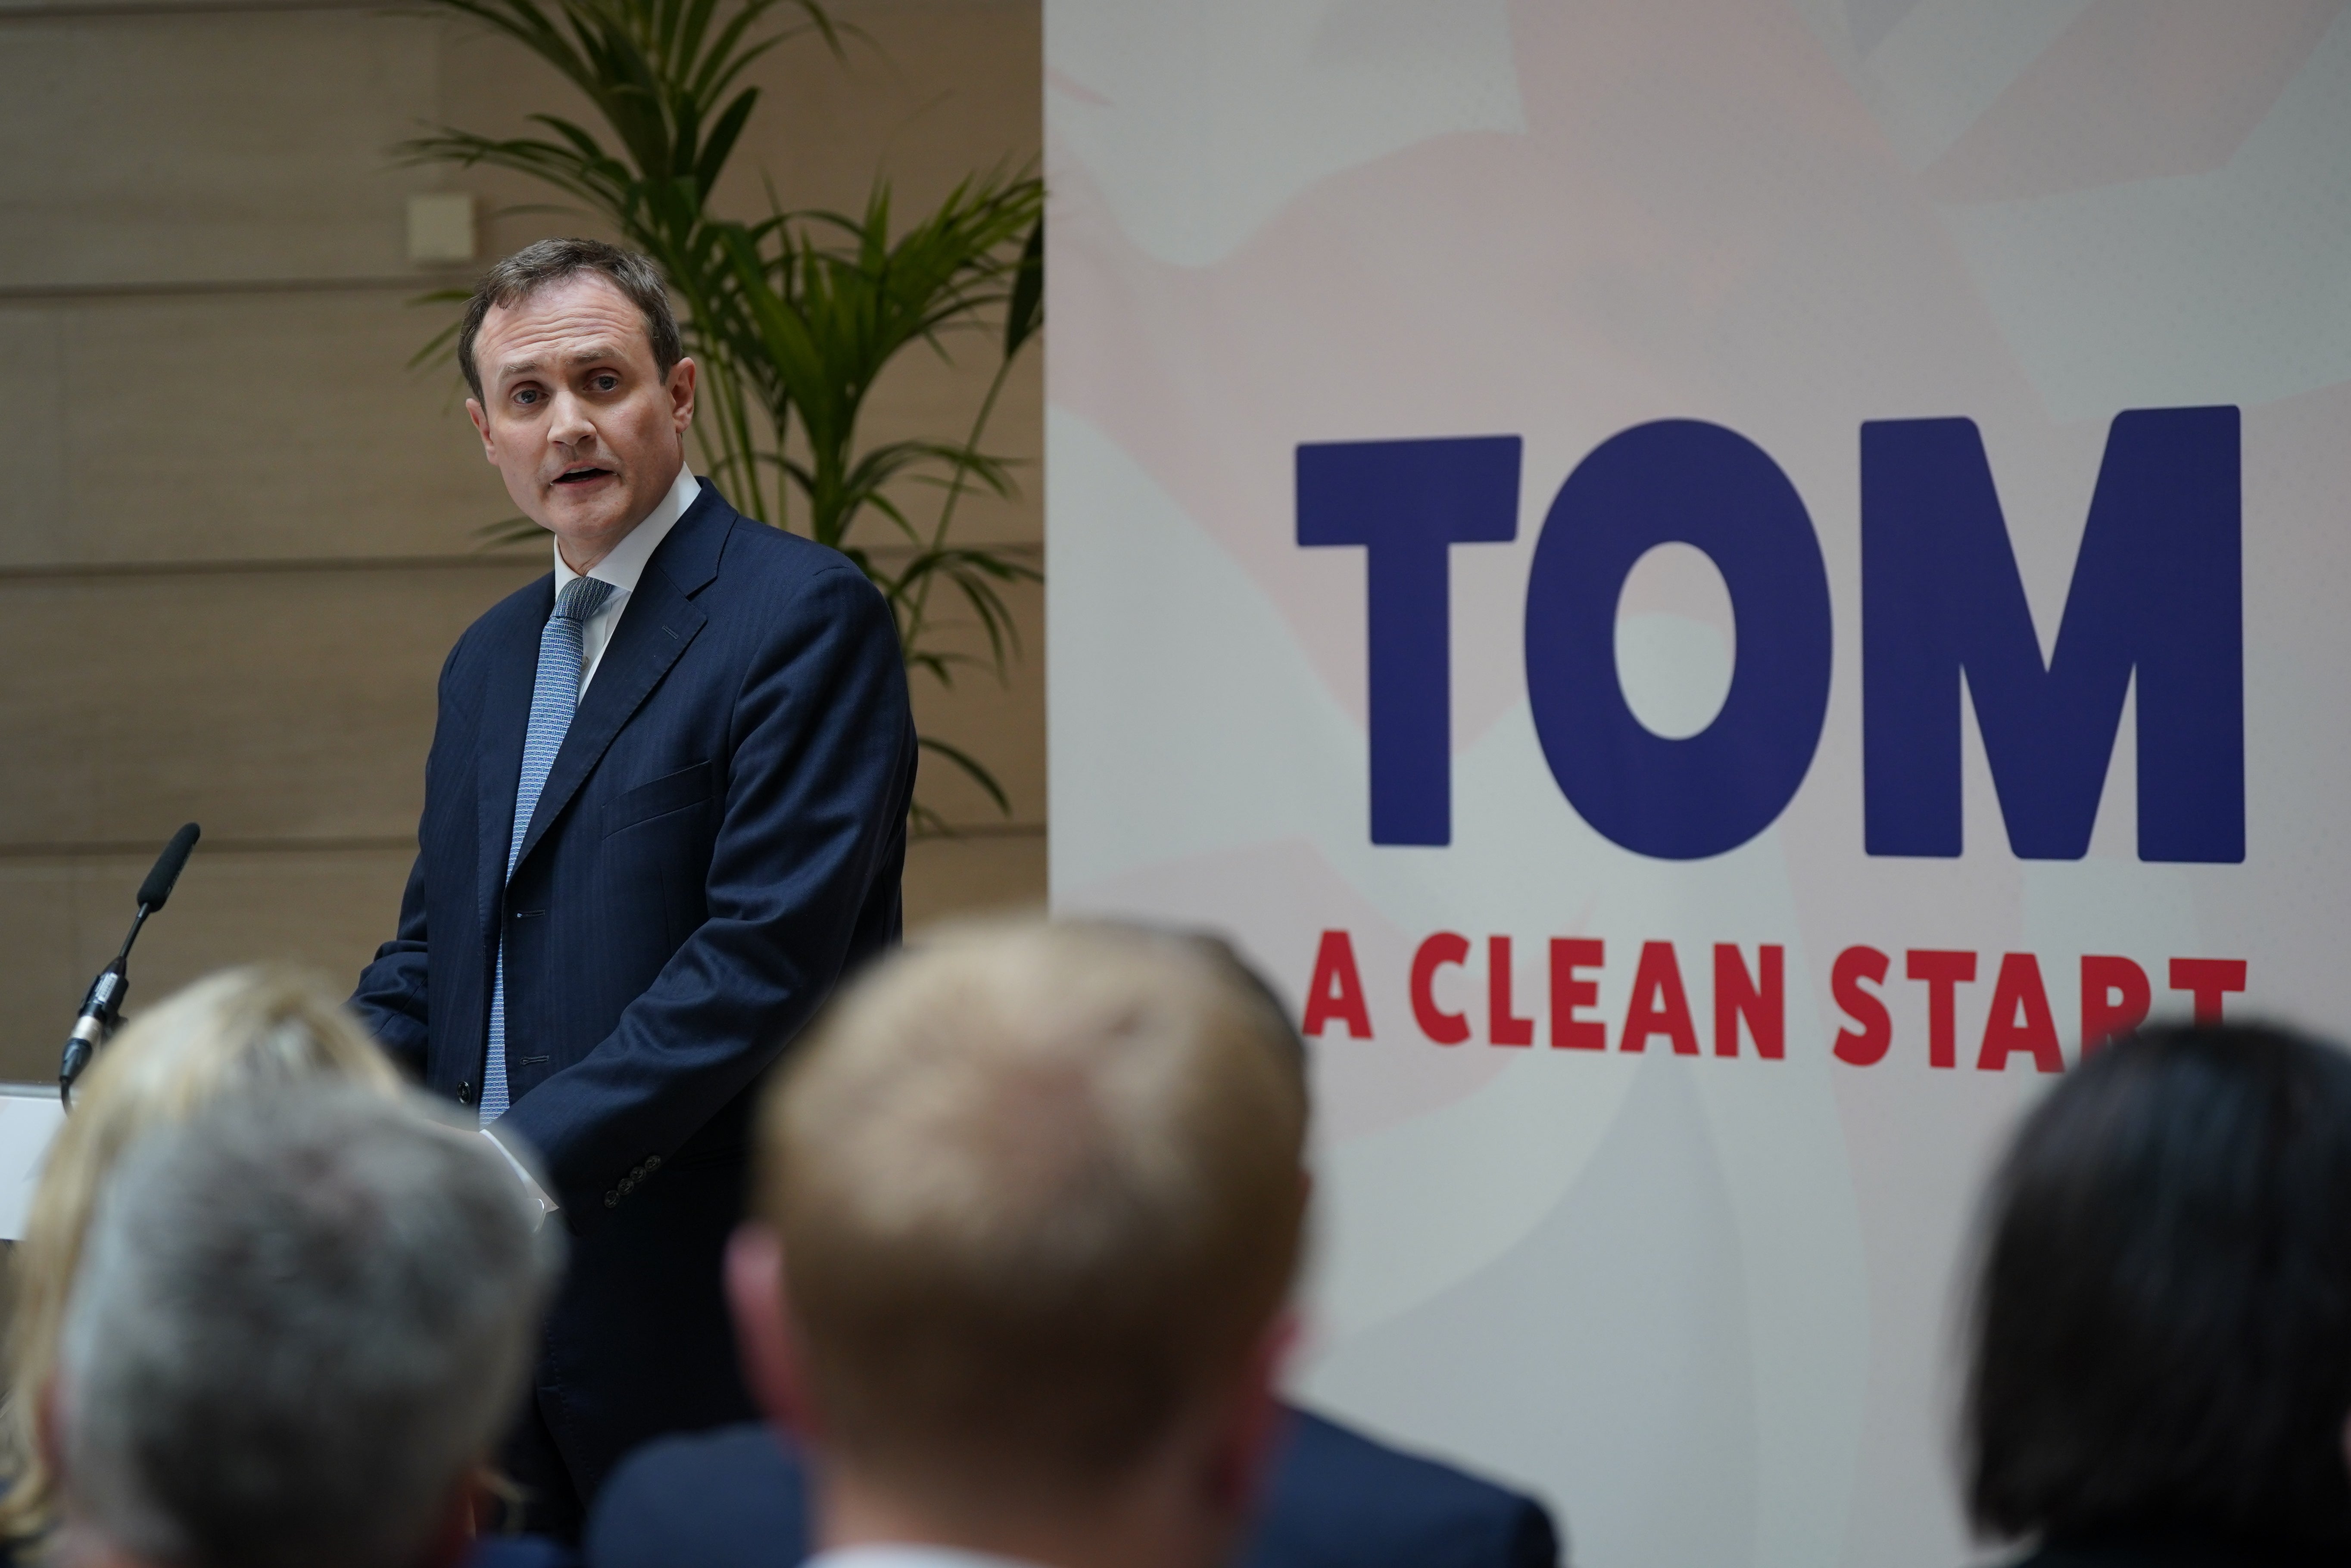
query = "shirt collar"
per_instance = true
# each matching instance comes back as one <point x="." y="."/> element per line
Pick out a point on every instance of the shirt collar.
<point x="625" y="562"/>
<point x="894" y="1555"/>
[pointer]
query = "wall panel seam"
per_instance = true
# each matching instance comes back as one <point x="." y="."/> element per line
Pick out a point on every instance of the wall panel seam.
<point x="96" y="848"/>
<point x="69" y="11"/>
<point x="183" y="289"/>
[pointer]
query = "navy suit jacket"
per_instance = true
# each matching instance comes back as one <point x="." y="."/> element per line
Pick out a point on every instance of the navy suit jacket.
<point x="521" y="1551"/>
<point x="719" y="840"/>
<point x="736" y="1498"/>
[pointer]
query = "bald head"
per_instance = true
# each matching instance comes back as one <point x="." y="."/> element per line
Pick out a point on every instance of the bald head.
<point x="1039" y="1190"/>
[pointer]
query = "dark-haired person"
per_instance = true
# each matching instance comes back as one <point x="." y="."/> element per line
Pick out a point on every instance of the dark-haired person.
<point x="664" y="811"/>
<point x="2161" y="1333"/>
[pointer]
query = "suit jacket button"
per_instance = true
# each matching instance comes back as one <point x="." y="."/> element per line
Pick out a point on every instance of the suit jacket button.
<point x="653" y="1162"/>
<point x="465" y="1093"/>
<point x="611" y="1200"/>
<point x="628" y="1185"/>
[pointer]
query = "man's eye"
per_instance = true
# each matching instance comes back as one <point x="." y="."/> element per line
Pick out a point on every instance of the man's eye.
<point x="527" y="396"/>
<point x="605" y="383"/>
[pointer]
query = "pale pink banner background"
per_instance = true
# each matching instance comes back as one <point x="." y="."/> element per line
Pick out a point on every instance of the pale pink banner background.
<point x="1703" y="1306"/>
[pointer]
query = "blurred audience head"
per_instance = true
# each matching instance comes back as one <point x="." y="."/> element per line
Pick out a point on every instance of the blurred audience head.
<point x="1029" y="1207"/>
<point x="2161" y="1332"/>
<point x="302" y="1319"/>
<point x="236" y="1031"/>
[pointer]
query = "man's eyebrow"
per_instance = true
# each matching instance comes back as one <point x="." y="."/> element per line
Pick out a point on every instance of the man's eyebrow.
<point x="591" y="355"/>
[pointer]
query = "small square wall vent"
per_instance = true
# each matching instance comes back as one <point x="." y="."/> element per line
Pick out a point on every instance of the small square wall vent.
<point x="441" y="227"/>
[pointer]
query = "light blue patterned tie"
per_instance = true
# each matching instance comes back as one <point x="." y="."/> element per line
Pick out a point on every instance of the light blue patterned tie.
<point x="554" y="698"/>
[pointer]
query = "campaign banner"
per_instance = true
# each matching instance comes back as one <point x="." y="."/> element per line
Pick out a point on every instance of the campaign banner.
<point x="1711" y="587"/>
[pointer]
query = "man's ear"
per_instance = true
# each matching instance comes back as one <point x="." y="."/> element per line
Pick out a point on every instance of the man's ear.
<point x="681" y="377"/>
<point x="480" y="416"/>
<point x="452" y="1540"/>
<point x="1254" y="1422"/>
<point x="764" y="1334"/>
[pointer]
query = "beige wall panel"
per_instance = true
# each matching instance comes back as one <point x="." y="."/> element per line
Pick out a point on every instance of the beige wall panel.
<point x="300" y="703"/>
<point x="265" y="705"/>
<point x="63" y="918"/>
<point x="235" y="146"/>
<point x="1002" y="725"/>
<point x="268" y="426"/>
<point x="950" y="878"/>
<point x="36" y="508"/>
<point x="52" y="10"/>
<point x="38" y="987"/>
<point x="256" y="425"/>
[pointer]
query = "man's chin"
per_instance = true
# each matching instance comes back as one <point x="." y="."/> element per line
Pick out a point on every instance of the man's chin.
<point x="585" y="511"/>
<point x="596" y="521"/>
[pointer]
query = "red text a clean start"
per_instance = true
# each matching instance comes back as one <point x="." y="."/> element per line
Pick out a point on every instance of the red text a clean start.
<point x="1749" y="999"/>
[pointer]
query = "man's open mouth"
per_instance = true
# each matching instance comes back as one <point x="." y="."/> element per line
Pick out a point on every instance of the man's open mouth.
<point x="580" y="476"/>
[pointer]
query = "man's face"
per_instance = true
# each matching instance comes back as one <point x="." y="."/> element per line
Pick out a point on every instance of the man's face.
<point x="587" y="433"/>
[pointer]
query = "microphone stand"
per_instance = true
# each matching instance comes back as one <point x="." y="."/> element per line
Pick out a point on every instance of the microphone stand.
<point x="101" y="1007"/>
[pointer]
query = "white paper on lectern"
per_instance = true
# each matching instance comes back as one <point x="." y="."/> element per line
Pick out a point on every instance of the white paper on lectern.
<point x="30" y="1116"/>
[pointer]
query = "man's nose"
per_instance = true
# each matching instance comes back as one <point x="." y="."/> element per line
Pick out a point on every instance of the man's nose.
<point x="570" y="424"/>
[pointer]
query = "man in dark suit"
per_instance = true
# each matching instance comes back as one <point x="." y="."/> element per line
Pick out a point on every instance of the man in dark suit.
<point x="665" y="813"/>
<point x="969" y="1276"/>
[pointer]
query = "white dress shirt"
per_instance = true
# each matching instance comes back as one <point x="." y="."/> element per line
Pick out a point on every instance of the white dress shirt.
<point x="908" y="1555"/>
<point x="623" y="567"/>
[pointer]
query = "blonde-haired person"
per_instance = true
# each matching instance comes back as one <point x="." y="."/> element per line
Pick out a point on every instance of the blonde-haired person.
<point x="1027" y="1206"/>
<point x="238" y="1028"/>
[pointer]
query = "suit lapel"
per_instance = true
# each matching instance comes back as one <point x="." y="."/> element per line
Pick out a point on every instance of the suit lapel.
<point x="659" y="621"/>
<point x="513" y="668"/>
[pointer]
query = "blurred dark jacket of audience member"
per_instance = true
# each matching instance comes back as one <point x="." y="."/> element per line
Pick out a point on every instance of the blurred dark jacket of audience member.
<point x="2160" y="1338"/>
<point x="735" y="1499"/>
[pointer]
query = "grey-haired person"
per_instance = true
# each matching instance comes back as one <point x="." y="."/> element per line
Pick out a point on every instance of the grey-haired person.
<point x="301" y="1321"/>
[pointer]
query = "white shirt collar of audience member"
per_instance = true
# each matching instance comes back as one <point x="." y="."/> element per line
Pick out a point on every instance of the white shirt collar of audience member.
<point x="622" y="568"/>
<point x="896" y="1555"/>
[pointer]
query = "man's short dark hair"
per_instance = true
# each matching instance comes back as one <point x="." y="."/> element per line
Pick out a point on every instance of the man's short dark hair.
<point x="534" y="267"/>
<point x="2161" y="1336"/>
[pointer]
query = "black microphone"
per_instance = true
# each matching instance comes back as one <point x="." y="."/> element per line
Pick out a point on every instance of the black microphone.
<point x="103" y="1005"/>
<point x="168" y="867"/>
